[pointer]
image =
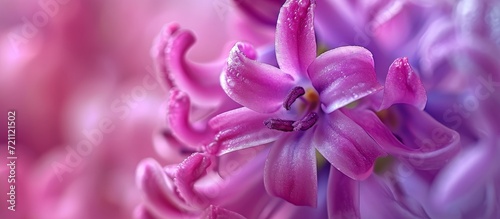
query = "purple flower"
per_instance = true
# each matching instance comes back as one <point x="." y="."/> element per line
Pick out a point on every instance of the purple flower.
<point x="299" y="107"/>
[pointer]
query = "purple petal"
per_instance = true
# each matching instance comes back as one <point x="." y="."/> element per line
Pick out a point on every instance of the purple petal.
<point x="290" y="169"/>
<point x="295" y="38"/>
<point x="201" y="81"/>
<point x="369" y="121"/>
<point x="403" y="86"/>
<point x="343" y="75"/>
<point x="346" y="145"/>
<point x="467" y="173"/>
<point x="255" y="85"/>
<point x="345" y="29"/>
<point x="240" y="128"/>
<point x="214" y="212"/>
<point x="343" y="196"/>
<point x="178" y="120"/>
<point x="426" y="143"/>
<point x="472" y="17"/>
<point x="434" y="144"/>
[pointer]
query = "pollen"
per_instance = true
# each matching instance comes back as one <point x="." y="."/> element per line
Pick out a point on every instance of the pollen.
<point x="311" y="95"/>
<point x="312" y="98"/>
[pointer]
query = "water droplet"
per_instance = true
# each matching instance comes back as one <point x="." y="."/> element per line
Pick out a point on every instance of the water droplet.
<point x="230" y="82"/>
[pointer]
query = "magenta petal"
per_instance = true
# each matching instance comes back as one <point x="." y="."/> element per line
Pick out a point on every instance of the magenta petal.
<point x="178" y="120"/>
<point x="255" y="85"/>
<point x="214" y="212"/>
<point x="158" y="189"/>
<point x="343" y="196"/>
<point x="190" y="170"/>
<point x="403" y="86"/>
<point x="240" y="128"/>
<point x="201" y="81"/>
<point x="346" y="145"/>
<point x="290" y="169"/>
<point x="295" y="38"/>
<point x="343" y="75"/>
<point x="158" y="52"/>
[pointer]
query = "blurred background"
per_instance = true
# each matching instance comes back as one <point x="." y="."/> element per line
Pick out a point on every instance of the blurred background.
<point x="80" y="77"/>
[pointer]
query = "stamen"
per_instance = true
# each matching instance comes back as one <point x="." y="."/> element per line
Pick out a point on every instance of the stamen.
<point x="295" y="93"/>
<point x="307" y="122"/>
<point x="279" y="124"/>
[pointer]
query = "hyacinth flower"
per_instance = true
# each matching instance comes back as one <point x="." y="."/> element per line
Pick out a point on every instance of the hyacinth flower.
<point x="470" y="183"/>
<point x="321" y="86"/>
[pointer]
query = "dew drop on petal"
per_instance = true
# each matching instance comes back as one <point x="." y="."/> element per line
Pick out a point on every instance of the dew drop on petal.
<point x="230" y="82"/>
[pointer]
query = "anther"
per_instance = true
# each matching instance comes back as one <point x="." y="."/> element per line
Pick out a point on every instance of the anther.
<point x="295" y="93"/>
<point x="279" y="124"/>
<point x="306" y="123"/>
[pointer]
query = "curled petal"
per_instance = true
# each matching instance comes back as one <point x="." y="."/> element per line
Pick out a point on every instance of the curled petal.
<point x="295" y="38"/>
<point x="346" y="145"/>
<point x="238" y="129"/>
<point x="178" y="120"/>
<point x="255" y="85"/>
<point x="425" y="143"/>
<point x="190" y="170"/>
<point x="200" y="80"/>
<point x="403" y="86"/>
<point x="343" y="75"/>
<point x="158" y="190"/>
<point x="158" y="52"/>
<point x="290" y="169"/>
<point x="214" y="212"/>
<point x="343" y="196"/>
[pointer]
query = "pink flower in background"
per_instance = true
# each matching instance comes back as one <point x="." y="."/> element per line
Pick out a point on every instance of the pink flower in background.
<point x="85" y="65"/>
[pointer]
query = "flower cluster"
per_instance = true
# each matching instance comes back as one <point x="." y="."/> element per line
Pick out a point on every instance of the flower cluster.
<point x="303" y="127"/>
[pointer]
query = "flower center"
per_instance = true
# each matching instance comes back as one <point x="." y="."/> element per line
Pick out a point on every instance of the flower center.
<point x="310" y="101"/>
